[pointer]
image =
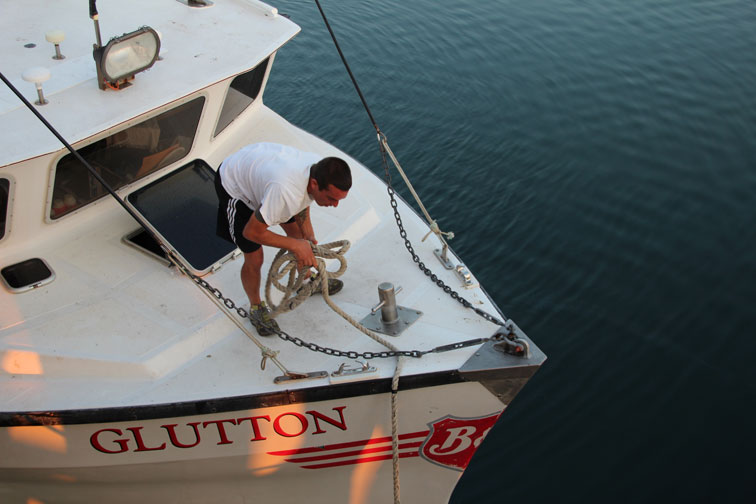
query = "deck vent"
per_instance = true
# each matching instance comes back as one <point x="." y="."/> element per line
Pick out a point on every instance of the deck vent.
<point x="27" y="275"/>
<point x="196" y="3"/>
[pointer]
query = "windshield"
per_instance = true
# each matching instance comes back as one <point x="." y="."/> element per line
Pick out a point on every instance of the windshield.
<point x="125" y="156"/>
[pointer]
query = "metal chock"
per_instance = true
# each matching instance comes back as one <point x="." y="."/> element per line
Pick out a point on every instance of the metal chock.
<point x="466" y="277"/>
<point x="292" y="376"/>
<point x="346" y="370"/>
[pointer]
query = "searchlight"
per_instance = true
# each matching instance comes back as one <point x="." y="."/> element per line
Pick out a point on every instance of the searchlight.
<point x="125" y="56"/>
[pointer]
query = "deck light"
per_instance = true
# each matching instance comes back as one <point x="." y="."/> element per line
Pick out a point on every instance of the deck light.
<point x="37" y="75"/>
<point x="125" y="56"/>
<point x="56" y="37"/>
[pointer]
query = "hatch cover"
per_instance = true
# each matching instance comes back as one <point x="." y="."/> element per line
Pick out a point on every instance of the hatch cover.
<point x="181" y="208"/>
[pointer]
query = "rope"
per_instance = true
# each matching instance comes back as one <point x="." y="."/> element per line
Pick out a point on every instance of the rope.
<point x="395" y="426"/>
<point x="296" y="291"/>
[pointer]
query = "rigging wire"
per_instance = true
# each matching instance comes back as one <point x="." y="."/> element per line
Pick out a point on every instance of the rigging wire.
<point x="349" y="70"/>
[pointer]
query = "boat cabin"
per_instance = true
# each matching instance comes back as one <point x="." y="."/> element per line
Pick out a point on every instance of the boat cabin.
<point x="169" y="116"/>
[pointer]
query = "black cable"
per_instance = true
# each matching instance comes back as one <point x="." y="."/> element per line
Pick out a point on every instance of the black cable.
<point x="349" y="70"/>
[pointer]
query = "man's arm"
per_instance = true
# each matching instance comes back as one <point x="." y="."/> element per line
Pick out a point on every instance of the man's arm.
<point x="305" y="225"/>
<point x="257" y="231"/>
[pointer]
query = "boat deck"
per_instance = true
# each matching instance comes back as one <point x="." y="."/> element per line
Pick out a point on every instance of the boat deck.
<point x="146" y="334"/>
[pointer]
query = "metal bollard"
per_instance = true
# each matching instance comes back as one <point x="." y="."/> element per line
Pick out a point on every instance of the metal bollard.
<point x="386" y="294"/>
<point x="394" y="319"/>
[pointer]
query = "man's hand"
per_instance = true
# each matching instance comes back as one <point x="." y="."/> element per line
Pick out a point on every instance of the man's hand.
<point x="303" y="252"/>
<point x="258" y="232"/>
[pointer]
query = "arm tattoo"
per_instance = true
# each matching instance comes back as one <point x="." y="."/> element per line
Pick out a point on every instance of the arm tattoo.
<point x="301" y="217"/>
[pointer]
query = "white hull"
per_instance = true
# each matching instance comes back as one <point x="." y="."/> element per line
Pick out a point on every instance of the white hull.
<point x="326" y="451"/>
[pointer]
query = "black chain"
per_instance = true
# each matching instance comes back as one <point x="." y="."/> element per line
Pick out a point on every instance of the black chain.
<point x="420" y="264"/>
<point x="229" y="303"/>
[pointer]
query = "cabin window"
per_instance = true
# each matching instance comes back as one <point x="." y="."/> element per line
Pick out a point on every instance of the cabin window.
<point x="4" y="204"/>
<point x="125" y="156"/>
<point x="241" y="93"/>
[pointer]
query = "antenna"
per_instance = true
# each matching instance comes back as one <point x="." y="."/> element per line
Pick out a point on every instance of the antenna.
<point x="96" y="18"/>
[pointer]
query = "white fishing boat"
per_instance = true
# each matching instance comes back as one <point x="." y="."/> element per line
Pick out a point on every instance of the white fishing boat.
<point x="128" y="370"/>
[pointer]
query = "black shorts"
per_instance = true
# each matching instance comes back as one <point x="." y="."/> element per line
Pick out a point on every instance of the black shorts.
<point x="233" y="215"/>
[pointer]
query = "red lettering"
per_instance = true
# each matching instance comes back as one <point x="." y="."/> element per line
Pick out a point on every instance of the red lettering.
<point x="171" y="428"/>
<point x="221" y="429"/>
<point x="320" y="416"/>
<point x="255" y="427"/>
<point x="95" y="441"/>
<point x="279" y="430"/>
<point x="458" y="439"/>
<point x="140" y="443"/>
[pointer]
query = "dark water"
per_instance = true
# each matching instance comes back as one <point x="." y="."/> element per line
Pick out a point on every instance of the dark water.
<point x="597" y="161"/>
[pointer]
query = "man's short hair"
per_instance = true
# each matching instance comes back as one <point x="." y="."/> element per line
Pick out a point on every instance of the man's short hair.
<point x="332" y="171"/>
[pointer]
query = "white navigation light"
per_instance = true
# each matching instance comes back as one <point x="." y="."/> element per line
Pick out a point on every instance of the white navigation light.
<point x="56" y="37"/>
<point x="127" y="55"/>
<point x="37" y="75"/>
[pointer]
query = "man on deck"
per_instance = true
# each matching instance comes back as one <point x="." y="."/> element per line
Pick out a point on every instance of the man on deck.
<point x="266" y="184"/>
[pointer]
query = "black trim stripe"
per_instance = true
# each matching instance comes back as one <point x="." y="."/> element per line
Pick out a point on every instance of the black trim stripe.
<point x="220" y="405"/>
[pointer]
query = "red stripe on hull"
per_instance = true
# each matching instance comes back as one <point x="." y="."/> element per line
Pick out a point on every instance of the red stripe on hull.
<point x="360" y="461"/>
<point x="352" y="444"/>
<point x="352" y="453"/>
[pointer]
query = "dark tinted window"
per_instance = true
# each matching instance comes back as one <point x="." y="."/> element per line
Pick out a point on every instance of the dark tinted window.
<point x="4" y="197"/>
<point x="182" y="207"/>
<point x="125" y="156"/>
<point x="241" y="93"/>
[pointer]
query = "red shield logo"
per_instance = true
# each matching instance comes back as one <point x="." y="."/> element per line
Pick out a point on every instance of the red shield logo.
<point x="452" y="441"/>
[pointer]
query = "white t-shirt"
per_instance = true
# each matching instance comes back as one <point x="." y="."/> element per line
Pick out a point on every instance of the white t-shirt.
<point x="269" y="178"/>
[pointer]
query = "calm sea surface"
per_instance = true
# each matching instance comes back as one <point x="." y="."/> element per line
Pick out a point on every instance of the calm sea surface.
<point x="597" y="162"/>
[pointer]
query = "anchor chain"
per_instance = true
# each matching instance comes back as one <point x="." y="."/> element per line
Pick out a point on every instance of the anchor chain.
<point x="351" y="354"/>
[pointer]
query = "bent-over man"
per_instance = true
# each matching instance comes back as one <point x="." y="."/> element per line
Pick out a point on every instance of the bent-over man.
<point x="266" y="184"/>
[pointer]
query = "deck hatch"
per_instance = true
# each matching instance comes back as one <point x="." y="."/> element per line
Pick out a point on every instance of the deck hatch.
<point x="181" y="208"/>
<point x="144" y="242"/>
<point x="27" y="275"/>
